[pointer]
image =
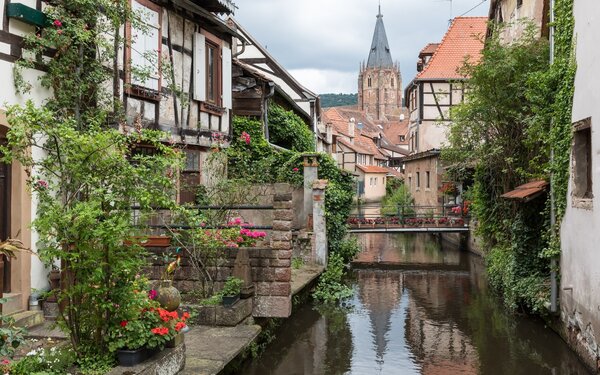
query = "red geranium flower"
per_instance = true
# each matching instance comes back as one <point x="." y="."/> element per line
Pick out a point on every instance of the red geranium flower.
<point x="57" y="23"/>
<point x="160" y="331"/>
<point x="179" y="326"/>
<point x="124" y="323"/>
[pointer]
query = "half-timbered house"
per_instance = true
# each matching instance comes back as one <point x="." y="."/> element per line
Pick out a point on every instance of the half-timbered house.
<point x="437" y="87"/>
<point x="197" y="44"/>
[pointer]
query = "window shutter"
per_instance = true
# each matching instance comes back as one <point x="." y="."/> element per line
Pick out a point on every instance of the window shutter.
<point x="226" y="64"/>
<point x="199" y="67"/>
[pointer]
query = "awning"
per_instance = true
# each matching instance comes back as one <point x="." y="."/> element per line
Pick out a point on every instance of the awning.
<point x="527" y="192"/>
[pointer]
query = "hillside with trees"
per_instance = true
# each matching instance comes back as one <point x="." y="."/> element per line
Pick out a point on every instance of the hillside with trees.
<point x="338" y="100"/>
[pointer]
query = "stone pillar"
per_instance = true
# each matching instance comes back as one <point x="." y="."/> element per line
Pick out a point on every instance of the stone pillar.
<point x="319" y="223"/>
<point x="273" y="298"/>
<point x="311" y="170"/>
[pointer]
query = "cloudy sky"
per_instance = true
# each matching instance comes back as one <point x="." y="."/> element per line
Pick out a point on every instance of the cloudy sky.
<point x="322" y="42"/>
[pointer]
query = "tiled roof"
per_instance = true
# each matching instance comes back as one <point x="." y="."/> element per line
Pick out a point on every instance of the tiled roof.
<point x="355" y="147"/>
<point x="429" y="49"/>
<point x="463" y="40"/>
<point x="372" y="169"/>
<point x="528" y="191"/>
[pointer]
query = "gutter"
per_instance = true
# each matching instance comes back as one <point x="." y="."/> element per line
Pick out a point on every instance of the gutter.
<point x="553" y="261"/>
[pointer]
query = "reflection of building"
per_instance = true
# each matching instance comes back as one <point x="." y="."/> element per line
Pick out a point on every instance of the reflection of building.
<point x="438" y="342"/>
<point x="406" y="250"/>
<point x="380" y="294"/>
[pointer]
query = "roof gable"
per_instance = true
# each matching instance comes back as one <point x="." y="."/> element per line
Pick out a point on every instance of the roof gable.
<point x="463" y="40"/>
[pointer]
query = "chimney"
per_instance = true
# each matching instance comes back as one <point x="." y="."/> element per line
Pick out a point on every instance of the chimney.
<point x="328" y="133"/>
<point x="379" y="141"/>
<point x="351" y="129"/>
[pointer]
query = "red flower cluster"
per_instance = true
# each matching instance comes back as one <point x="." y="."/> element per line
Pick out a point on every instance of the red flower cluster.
<point x="160" y="331"/>
<point x="124" y="323"/>
<point x="57" y="23"/>
<point x="245" y="137"/>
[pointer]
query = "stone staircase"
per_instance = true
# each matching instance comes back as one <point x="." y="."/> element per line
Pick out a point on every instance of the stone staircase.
<point x="22" y="318"/>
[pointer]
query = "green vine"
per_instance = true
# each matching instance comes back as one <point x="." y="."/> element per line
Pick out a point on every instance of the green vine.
<point x="514" y="126"/>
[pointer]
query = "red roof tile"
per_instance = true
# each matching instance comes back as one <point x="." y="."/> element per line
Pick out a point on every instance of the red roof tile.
<point x="429" y="49"/>
<point x="528" y="191"/>
<point x="463" y="40"/>
<point x="372" y="169"/>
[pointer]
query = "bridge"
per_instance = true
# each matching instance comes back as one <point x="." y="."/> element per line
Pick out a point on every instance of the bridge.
<point x="373" y="218"/>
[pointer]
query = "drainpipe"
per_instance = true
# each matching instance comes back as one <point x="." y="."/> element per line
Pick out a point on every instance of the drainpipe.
<point x="553" y="263"/>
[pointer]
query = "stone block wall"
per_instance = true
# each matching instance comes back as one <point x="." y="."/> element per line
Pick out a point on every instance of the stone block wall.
<point x="270" y="262"/>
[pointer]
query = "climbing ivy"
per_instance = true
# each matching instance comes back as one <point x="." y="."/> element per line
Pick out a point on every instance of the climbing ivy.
<point x="517" y="114"/>
<point x="288" y="130"/>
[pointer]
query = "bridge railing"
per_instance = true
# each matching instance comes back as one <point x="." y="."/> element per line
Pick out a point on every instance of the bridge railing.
<point x="411" y="216"/>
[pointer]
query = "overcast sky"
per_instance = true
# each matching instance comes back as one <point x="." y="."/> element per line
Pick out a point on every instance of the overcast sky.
<point x="322" y="42"/>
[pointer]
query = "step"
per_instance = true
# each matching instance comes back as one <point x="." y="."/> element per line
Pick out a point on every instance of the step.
<point x="28" y="319"/>
<point x="13" y="303"/>
<point x="46" y="330"/>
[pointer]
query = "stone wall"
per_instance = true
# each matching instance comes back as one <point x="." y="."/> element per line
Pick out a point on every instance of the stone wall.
<point x="269" y="263"/>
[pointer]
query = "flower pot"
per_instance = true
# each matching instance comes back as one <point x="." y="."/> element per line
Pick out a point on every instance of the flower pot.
<point x="150" y="241"/>
<point x="168" y="296"/>
<point x="130" y="358"/>
<point x="176" y="341"/>
<point x="229" y="301"/>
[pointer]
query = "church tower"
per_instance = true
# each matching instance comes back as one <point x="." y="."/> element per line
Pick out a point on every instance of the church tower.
<point x="380" y="82"/>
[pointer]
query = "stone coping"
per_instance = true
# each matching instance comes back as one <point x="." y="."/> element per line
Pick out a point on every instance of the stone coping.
<point x="169" y="361"/>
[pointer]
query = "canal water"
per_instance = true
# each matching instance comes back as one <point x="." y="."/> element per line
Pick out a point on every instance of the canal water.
<point x="429" y="312"/>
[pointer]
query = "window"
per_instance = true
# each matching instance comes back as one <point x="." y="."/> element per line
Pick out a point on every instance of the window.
<point x="519" y="3"/>
<point x="402" y="138"/>
<point x="143" y="51"/>
<point x="369" y="82"/>
<point x="393" y="81"/>
<point x="427" y="182"/>
<point x="375" y="181"/>
<point x="212" y="73"/>
<point x="582" y="160"/>
<point x="409" y="183"/>
<point x="418" y="180"/>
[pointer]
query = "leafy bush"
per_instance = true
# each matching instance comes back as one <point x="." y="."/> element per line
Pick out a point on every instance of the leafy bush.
<point x="288" y="130"/>
<point x="331" y="287"/>
<point x="232" y="287"/>
<point x="348" y="249"/>
<point x="399" y="200"/>
<point x="11" y="336"/>
<point x="52" y="361"/>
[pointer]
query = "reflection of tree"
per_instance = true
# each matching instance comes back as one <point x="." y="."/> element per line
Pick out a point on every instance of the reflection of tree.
<point x="380" y="294"/>
<point x="509" y="344"/>
<point x="338" y="356"/>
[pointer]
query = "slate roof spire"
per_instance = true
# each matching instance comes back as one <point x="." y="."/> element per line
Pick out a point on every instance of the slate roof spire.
<point x="379" y="55"/>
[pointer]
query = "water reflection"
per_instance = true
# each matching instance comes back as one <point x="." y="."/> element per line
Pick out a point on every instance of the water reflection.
<point x="432" y="322"/>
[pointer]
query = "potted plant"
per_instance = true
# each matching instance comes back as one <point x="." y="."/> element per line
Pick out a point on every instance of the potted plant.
<point x="231" y="291"/>
<point x="143" y="330"/>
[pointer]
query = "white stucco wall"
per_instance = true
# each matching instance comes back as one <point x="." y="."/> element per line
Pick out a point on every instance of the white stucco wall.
<point x="580" y="258"/>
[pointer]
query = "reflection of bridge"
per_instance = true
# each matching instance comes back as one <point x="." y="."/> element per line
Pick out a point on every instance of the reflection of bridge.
<point x="410" y="219"/>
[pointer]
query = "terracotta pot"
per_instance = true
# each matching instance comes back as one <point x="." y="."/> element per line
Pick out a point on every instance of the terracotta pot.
<point x="168" y="296"/>
<point x="150" y="241"/>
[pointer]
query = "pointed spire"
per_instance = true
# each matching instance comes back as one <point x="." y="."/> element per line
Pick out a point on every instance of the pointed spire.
<point x="380" y="56"/>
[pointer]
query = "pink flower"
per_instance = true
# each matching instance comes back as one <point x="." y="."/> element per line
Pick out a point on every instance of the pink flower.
<point x="5" y="362"/>
<point x="152" y="294"/>
<point x="245" y="137"/>
<point x="295" y="169"/>
<point x="42" y="185"/>
<point x="57" y="23"/>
